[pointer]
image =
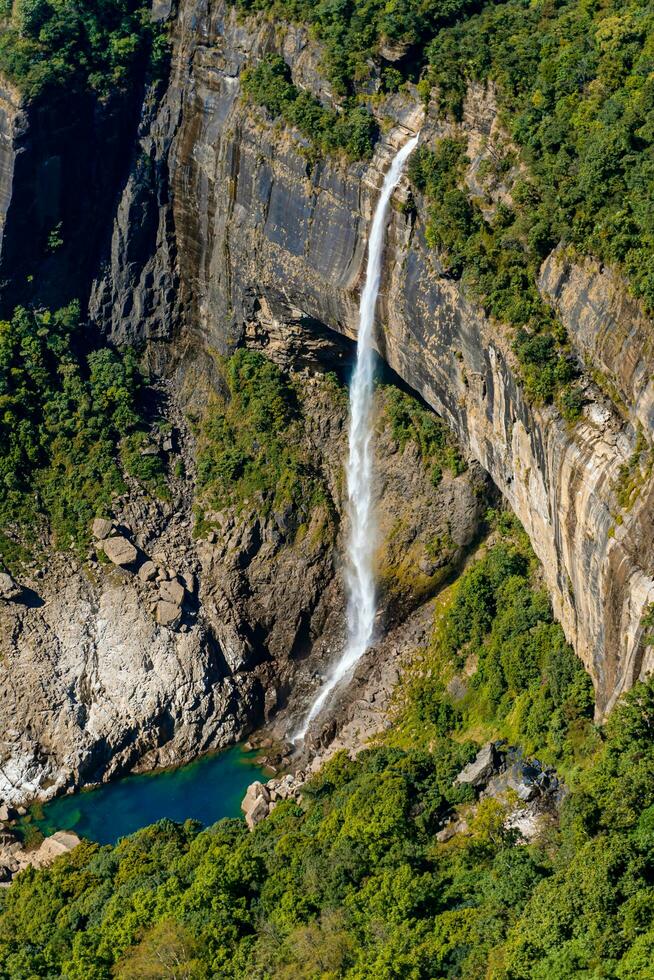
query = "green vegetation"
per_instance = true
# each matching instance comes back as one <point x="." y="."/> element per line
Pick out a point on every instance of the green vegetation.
<point x="518" y="679"/>
<point x="498" y="261"/>
<point x="249" y="445"/>
<point x="351" y="131"/>
<point x="64" y="418"/>
<point x="64" y="45"/>
<point x="411" y="422"/>
<point x="353" y="884"/>
<point x="575" y="89"/>
<point x="351" y="33"/>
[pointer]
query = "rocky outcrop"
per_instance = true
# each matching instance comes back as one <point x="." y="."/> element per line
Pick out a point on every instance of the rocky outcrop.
<point x="15" y="857"/>
<point x="256" y="804"/>
<point x="224" y="233"/>
<point x="13" y="122"/>
<point x="478" y="772"/>
<point x="263" y="239"/>
<point x="166" y="645"/>
<point x="529" y="794"/>
<point x="9" y="589"/>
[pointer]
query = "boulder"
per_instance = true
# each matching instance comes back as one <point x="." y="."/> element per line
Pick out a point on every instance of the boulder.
<point x="8" y="588"/>
<point x="527" y="791"/>
<point x="172" y="591"/>
<point x="256" y="804"/>
<point x="451" y="829"/>
<point x="478" y="772"/>
<point x="7" y="813"/>
<point x="147" y="571"/>
<point x="119" y="550"/>
<point x="168" y="613"/>
<point x="101" y="528"/>
<point x="52" y="847"/>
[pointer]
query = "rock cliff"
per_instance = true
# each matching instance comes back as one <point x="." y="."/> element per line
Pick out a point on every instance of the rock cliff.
<point x="96" y="682"/>
<point x="222" y="233"/>
<point x="261" y="238"/>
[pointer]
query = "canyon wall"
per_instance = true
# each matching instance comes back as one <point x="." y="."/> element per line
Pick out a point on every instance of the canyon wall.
<point x="222" y="232"/>
<point x="262" y="239"/>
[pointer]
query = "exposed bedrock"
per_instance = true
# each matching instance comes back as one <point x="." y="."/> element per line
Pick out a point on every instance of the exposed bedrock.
<point x="62" y="169"/>
<point x="172" y="645"/>
<point x="223" y="233"/>
<point x="261" y="239"/>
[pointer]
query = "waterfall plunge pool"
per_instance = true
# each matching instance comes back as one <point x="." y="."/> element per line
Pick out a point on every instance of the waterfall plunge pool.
<point x="205" y="790"/>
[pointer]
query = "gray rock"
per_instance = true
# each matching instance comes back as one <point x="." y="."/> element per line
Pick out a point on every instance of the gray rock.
<point x="172" y="591"/>
<point x="256" y="804"/>
<point x="527" y="791"/>
<point x="9" y="589"/>
<point x="120" y="551"/>
<point x="479" y="771"/>
<point x="168" y="614"/>
<point x="147" y="571"/>
<point x="450" y="830"/>
<point x="101" y="528"/>
<point x="7" y="813"/>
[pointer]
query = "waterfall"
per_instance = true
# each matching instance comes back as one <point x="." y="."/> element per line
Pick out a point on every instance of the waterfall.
<point x="360" y="579"/>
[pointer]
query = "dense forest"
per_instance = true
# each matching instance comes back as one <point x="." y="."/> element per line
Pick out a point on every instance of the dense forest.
<point x="71" y="428"/>
<point x="53" y="46"/>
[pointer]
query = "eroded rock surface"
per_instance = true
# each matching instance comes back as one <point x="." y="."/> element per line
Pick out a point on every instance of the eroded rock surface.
<point x="112" y="667"/>
<point x="262" y="240"/>
<point x="224" y="234"/>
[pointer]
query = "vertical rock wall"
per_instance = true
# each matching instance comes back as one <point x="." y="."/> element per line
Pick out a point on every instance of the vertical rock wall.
<point x="224" y="230"/>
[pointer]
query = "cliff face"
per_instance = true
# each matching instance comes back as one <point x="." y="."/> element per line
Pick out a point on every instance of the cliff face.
<point x="12" y="123"/>
<point x="222" y="232"/>
<point x="93" y="683"/>
<point x="61" y="170"/>
<point x="262" y="239"/>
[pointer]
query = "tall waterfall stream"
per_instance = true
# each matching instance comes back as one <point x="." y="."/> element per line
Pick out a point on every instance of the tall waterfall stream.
<point x="360" y="578"/>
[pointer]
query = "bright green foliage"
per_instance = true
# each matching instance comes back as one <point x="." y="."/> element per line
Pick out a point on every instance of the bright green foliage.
<point x="63" y="44"/>
<point x="527" y="685"/>
<point x="576" y="90"/>
<point x="353" y="884"/>
<point x="348" y="885"/>
<point x="498" y="260"/>
<point x="351" y="131"/>
<point x="598" y="907"/>
<point x="576" y="93"/>
<point x="411" y="422"/>
<point x="250" y="442"/>
<point x="62" y="419"/>
<point x="351" y="32"/>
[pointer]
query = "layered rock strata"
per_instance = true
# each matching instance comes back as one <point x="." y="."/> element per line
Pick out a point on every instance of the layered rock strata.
<point x="264" y="239"/>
